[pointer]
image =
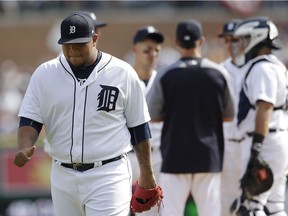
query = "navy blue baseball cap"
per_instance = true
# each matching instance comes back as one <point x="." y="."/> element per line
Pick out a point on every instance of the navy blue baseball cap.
<point x="188" y="32"/>
<point x="97" y="23"/>
<point x="148" y="32"/>
<point x="228" y="27"/>
<point x="76" y="28"/>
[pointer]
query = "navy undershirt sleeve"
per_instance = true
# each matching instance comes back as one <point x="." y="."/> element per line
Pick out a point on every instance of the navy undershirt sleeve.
<point x="140" y="133"/>
<point x="29" y="122"/>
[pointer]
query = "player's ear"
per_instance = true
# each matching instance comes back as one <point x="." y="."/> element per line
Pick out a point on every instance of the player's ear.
<point x="95" y="38"/>
<point x="176" y="43"/>
<point x="134" y="48"/>
<point x="201" y="41"/>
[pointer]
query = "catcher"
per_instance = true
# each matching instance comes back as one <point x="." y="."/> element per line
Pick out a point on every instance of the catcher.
<point x="262" y="119"/>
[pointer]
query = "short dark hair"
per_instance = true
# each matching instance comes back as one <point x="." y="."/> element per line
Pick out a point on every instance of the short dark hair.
<point x="187" y="45"/>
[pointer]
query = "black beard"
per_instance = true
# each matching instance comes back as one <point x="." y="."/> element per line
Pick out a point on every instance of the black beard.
<point x="81" y="66"/>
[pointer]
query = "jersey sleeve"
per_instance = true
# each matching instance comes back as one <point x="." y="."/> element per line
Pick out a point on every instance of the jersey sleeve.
<point x="136" y="111"/>
<point x="30" y="105"/>
<point x="263" y="83"/>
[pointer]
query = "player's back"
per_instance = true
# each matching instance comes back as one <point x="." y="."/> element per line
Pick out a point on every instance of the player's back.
<point x="194" y="94"/>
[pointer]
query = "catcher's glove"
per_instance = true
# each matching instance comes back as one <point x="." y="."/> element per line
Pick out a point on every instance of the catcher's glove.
<point x="257" y="179"/>
<point x="145" y="199"/>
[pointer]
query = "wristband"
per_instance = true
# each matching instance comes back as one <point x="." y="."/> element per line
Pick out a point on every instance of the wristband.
<point x="257" y="138"/>
<point x="256" y="147"/>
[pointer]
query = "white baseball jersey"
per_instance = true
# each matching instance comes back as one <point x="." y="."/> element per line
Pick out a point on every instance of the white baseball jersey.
<point x="86" y="122"/>
<point x="235" y="78"/>
<point x="266" y="82"/>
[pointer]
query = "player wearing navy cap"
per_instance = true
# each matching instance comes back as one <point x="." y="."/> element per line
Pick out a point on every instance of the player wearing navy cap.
<point x="230" y="174"/>
<point x="192" y="97"/>
<point x="93" y="108"/>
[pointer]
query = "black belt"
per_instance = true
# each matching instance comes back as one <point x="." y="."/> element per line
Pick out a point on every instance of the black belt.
<point x="236" y="140"/>
<point x="250" y="134"/>
<point x="271" y="130"/>
<point x="81" y="167"/>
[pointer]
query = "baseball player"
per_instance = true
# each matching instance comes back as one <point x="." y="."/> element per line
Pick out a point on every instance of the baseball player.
<point x="93" y="108"/>
<point x="98" y="25"/>
<point x="192" y="97"/>
<point x="231" y="167"/>
<point x="262" y="115"/>
<point x="146" y="47"/>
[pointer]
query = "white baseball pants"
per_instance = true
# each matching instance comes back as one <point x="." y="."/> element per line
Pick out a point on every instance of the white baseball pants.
<point x="101" y="191"/>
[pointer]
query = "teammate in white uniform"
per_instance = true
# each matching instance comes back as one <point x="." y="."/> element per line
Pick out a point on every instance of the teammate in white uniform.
<point x="146" y="47"/>
<point x="93" y="108"/>
<point x="262" y="115"/>
<point x="230" y="174"/>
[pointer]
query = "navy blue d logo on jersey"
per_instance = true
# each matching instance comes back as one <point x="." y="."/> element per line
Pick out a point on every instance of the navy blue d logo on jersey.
<point x="107" y="98"/>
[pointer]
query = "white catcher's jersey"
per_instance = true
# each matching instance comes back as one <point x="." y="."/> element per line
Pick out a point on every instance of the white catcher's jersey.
<point x="235" y="77"/>
<point x="86" y="123"/>
<point x="266" y="81"/>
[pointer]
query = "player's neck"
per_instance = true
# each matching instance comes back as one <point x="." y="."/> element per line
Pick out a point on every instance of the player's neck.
<point x="143" y="73"/>
<point x="190" y="53"/>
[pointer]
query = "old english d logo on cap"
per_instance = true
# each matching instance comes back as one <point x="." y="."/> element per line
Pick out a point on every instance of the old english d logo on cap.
<point x="72" y="29"/>
<point x="77" y="28"/>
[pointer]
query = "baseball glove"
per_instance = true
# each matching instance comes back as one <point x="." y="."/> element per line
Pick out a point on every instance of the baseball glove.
<point x="145" y="199"/>
<point x="257" y="179"/>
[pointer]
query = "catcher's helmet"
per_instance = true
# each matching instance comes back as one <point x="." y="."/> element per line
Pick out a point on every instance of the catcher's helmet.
<point x="257" y="30"/>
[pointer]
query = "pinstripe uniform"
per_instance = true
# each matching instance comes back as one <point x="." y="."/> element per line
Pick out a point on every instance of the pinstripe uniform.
<point x="87" y="122"/>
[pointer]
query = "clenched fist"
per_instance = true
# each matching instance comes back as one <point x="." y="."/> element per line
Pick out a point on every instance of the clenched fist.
<point x="23" y="156"/>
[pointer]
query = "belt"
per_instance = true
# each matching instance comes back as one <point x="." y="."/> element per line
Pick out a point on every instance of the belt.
<point x="236" y="140"/>
<point x="250" y="134"/>
<point x="81" y="167"/>
<point x="271" y="130"/>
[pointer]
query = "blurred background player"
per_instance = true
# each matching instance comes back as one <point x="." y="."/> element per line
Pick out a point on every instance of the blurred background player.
<point x="147" y="44"/>
<point x="98" y="24"/>
<point x="192" y="97"/>
<point x="231" y="166"/>
<point x="262" y="111"/>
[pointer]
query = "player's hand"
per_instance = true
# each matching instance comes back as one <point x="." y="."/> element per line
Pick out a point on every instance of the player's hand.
<point x="23" y="156"/>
